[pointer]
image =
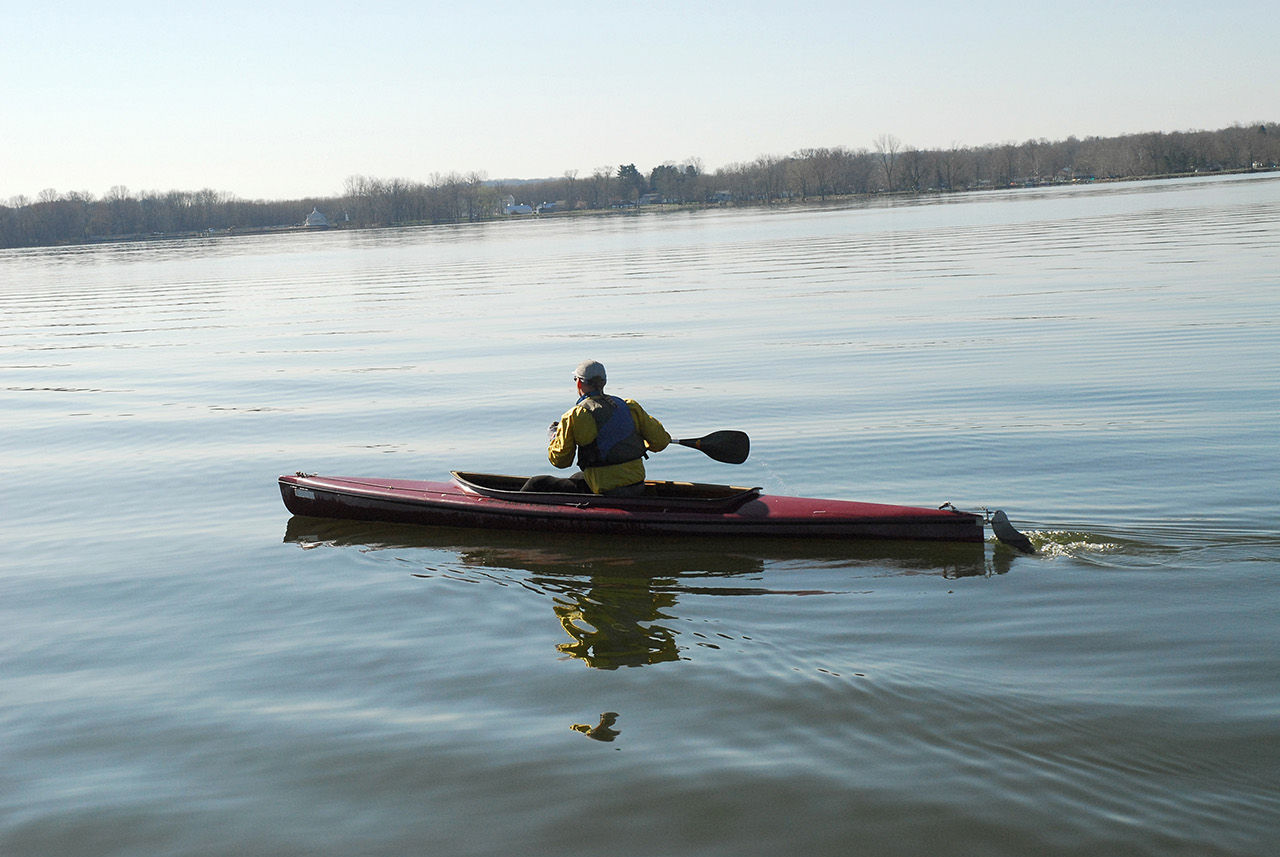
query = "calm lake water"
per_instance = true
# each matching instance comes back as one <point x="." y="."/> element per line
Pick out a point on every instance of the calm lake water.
<point x="187" y="670"/>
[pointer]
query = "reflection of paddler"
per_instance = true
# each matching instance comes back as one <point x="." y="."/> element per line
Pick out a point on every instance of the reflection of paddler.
<point x="602" y="731"/>
<point x="616" y="626"/>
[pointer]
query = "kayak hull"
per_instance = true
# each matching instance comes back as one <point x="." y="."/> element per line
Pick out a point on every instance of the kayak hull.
<point x="732" y="513"/>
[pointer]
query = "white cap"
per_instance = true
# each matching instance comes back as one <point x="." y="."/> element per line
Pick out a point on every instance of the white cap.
<point x="589" y="370"/>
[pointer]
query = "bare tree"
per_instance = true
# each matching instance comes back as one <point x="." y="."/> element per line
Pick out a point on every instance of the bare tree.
<point x="571" y="189"/>
<point x="887" y="147"/>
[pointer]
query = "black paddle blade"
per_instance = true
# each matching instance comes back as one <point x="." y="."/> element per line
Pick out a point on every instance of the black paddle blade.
<point x="731" y="447"/>
<point x="1008" y="534"/>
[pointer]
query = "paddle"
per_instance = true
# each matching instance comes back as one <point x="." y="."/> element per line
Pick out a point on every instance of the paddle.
<point x="1008" y="534"/>
<point x="731" y="447"/>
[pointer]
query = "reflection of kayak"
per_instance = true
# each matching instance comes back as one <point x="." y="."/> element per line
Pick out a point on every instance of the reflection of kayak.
<point x="667" y="508"/>
<point x="556" y="560"/>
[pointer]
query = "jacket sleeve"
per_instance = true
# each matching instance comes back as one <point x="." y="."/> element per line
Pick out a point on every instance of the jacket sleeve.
<point x="570" y="433"/>
<point x="655" y="436"/>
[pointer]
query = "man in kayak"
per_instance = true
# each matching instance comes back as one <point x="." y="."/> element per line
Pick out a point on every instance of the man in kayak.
<point x="610" y="436"/>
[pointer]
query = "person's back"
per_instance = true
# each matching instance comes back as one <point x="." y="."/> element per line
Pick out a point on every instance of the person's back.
<point x="609" y="436"/>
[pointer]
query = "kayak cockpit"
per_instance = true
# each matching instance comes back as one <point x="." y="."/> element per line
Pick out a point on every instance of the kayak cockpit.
<point x="685" y="496"/>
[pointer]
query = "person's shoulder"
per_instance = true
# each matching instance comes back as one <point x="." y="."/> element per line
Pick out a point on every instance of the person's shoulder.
<point x="580" y="409"/>
<point x="637" y="408"/>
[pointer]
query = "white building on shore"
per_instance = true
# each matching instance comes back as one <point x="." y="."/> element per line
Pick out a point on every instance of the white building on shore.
<point x="316" y="220"/>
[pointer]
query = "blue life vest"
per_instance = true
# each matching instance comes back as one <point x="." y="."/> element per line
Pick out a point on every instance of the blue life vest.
<point x="617" y="438"/>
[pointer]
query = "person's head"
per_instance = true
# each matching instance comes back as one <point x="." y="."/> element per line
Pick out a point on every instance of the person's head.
<point x="590" y="376"/>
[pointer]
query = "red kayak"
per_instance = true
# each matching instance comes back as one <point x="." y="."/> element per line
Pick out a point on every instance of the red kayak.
<point x="666" y="508"/>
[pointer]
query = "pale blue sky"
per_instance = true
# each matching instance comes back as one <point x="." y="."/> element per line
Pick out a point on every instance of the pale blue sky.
<point x="286" y="100"/>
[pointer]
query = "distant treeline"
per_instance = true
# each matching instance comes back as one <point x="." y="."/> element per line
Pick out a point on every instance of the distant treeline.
<point x="888" y="166"/>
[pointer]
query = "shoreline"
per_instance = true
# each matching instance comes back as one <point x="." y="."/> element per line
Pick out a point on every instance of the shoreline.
<point x="625" y="209"/>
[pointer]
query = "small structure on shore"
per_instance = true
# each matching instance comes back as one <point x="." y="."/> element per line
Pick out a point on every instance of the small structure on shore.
<point x="316" y="220"/>
<point x="513" y="207"/>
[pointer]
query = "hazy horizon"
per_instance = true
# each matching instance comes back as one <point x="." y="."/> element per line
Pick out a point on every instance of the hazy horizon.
<point x="286" y="102"/>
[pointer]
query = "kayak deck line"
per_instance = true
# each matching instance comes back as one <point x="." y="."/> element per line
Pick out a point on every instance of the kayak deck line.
<point x="667" y="508"/>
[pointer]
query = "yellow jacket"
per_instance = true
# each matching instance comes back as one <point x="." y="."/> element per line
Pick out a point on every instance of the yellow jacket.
<point x="578" y="428"/>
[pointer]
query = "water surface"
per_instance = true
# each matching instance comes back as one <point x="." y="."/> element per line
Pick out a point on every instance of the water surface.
<point x="188" y="670"/>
